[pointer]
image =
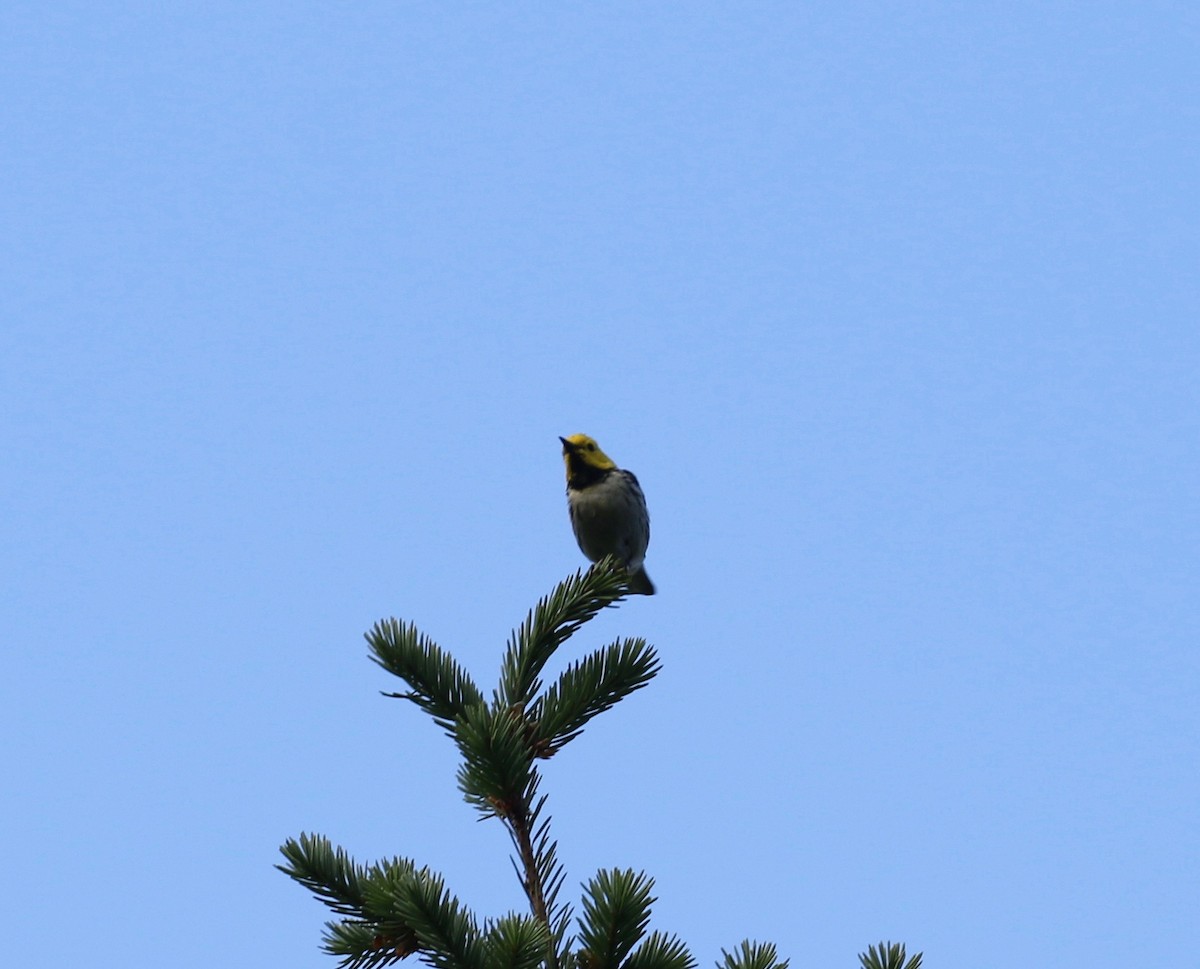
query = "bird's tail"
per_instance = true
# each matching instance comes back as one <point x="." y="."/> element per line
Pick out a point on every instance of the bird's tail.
<point x="639" y="582"/>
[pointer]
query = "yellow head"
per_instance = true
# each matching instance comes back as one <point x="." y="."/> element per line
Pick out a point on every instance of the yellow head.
<point x="583" y="457"/>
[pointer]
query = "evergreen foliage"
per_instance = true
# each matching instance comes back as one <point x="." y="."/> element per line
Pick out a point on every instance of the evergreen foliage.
<point x="889" y="955"/>
<point x="752" y="955"/>
<point x="393" y="909"/>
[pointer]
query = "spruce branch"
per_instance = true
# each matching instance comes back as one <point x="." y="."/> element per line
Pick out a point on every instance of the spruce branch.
<point x="888" y="956"/>
<point x="552" y="621"/>
<point x="616" y="911"/>
<point x="328" y="872"/>
<point x="589" y="687"/>
<point x="362" y="946"/>
<point x="752" y="955"/>
<point x="371" y="935"/>
<point x="539" y="872"/>
<point x="448" y="935"/>
<point x="660" y="951"/>
<point x="496" y="772"/>
<point x="498" y="778"/>
<point x="549" y="870"/>
<point x="515" y="942"/>
<point x="439" y="686"/>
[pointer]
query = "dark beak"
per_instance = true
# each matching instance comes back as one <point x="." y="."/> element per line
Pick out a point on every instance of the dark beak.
<point x="567" y="448"/>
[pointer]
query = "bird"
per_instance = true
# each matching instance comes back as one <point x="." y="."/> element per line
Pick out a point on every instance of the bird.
<point x="608" y="509"/>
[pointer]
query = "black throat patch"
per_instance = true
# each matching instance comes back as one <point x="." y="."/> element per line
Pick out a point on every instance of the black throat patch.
<point x="582" y="474"/>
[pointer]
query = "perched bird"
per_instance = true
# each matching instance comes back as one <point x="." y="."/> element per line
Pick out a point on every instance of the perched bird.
<point x="608" y="509"/>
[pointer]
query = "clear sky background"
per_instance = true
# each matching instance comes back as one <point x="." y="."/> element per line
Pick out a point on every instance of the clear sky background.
<point x="893" y="308"/>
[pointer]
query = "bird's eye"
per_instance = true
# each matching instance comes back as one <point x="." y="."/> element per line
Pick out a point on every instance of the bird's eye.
<point x="591" y="447"/>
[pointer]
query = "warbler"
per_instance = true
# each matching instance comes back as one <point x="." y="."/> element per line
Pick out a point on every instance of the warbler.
<point x="608" y="509"/>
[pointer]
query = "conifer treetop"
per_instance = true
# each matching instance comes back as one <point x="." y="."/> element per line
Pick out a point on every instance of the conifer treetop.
<point x="396" y="908"/>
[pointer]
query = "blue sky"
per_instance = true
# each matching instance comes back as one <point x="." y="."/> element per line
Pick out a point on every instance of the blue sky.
<point x="893" y="310"/>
